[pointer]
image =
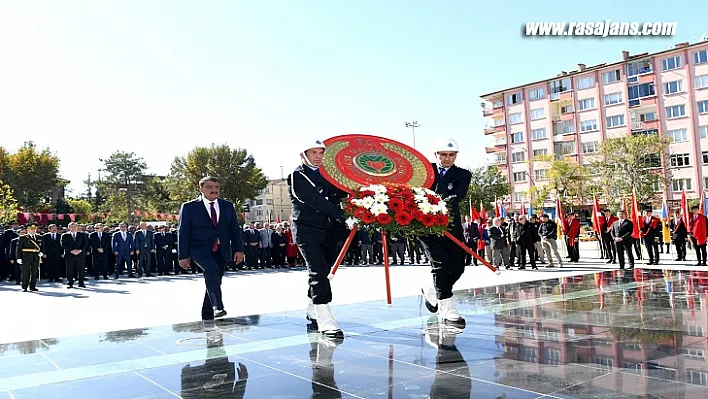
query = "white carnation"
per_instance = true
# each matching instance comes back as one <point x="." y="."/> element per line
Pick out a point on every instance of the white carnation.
<point x="420" y="198"/>
<point x="367" y="201"/>
<point x="351" y="222"/>
<point x="443" y="207"/>
<point x="425" y="207"/>
<point x="381" y="198"/>
<point x="378" y="189"/>
<point x="434" y="209"/>
<point x="378" y="209"/>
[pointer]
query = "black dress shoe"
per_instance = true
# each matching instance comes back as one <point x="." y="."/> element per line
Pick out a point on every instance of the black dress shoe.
<point x="24" y="290"/>
<point x="219" y="313"/>
<point x="34" y="289"/>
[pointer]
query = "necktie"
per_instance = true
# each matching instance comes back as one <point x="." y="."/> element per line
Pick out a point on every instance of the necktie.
<point x="214" y="247"/>
<point x="123" y="234"/>
<point x="442" y="172"/>
<point x="99" y="236"/>
<point x="54" y="237"/>
<point x="73" y="235"/>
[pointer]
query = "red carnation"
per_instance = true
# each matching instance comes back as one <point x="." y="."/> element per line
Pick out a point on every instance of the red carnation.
<point x="410" y="206"/>
<point x="441" y="220"/>
<point x="428" y="220"/>
<point x="367" y="193"/>
<point x="383" y="219"/>
<point x="417" y="214"/>
<point x="433" y="200"/>
<point x="395" y="204"/>
<point x="359" y="213"/>
<point x="367" y="217"/>
<point x="403" y="218"/>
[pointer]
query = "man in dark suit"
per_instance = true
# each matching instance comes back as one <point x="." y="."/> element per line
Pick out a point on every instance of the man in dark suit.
<point x="317" y="226"/>
<point x="679" y="234"/>
<point x="446" y="258"/>
<point x="100" y="248"/>
<point x="650" y="228"/>
<point x="209" y="236"/>
<point x="216" y="378"/>
<point x="252" y="240"/>
<point x="7" y="237"/>
<point x="75" y="244"/>
<point x="51" y="259"/>
<point x="622" y="234"/>
<point x="144" y="245"/>
<point x="470" y="230"/>
<point x="163" y="243"/>
<point x="122" y="243"/>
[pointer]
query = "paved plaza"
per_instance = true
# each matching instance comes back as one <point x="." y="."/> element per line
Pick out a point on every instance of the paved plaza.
<point x="587" y="330"/>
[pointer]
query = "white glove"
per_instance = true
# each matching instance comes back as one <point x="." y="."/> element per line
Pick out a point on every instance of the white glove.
<point x="40" y="254"/>
<point x="19" y="261"/>
<point x="174" y="251"/>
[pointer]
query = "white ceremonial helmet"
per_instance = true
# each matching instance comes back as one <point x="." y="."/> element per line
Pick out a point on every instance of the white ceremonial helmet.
<point x="309" y="145"/>
<point x="448" y="145"/>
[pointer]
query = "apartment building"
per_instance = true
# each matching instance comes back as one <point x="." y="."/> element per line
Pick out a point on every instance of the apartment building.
<point x="664" y="93"/>
<point x="271" y="204"/>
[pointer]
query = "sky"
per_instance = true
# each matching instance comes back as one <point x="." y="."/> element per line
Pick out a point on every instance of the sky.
<point x="87" y="78"/>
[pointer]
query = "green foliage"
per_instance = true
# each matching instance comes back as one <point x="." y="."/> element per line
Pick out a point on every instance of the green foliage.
<point x="240" y="178"/>
<point x="32" y="174"/>
<point x="125" y="175"/>
<point x="81" y="207"/>
<point x="566" y="180"/>
<point x="8" y="204"/>
<point x="487" y="184"/>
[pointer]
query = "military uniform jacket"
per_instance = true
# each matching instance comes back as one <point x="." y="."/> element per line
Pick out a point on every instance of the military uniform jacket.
<point x="452" y="187"/>
<point x="316" y="207"/>
<point x="28" y="246"/>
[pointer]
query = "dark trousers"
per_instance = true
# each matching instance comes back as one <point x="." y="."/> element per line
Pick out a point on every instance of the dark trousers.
<point x="469" y="259"/>
<point x="512" y="253"/>
<point x="527" y="249"/>
<point x="278" y="255"/>
<point x="144" y="259"/>
<point x="652" y="247"/>
<point x="700" y="251"/>
<point x="319" y="259"/>
<point x="164" y="260"/>
<point x="680" y="249"/>
<point x="252" y="255"/>
<point x="609" y="246"/>
<point x="398" y="251"/>
<point x="574" y="249"/>
<point x="447" y="260"/>
<point x="100" y="264"/>
<point x="622" y="247"/>
<point x="75" y="264"/>
<point x="213" y="267"/>
<point x="29" y="270"/>
<point x="265" y="256"/>
<point x="121" y="258"/>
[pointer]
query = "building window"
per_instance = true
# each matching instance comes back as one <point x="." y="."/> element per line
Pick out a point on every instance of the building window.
<point x="501" y="159"/>
<point x="700" y="57"/>
<point x="611" y="77"/>
<point x="676" y="111"/>
<point x="517" y="137"/>
<point x="519" y="196"/>
<point x="564" y="148"/>
<point x="588" y="126"/>
<point x="679" y="160"/>
<point x="614" y="121"/>
<point x="498" y="104"/>
<point x="673" y="87"/>
<point x="652" y="160"/>
<point x="499" y="122"/>
<point x="559" y="86"/>
<point x="538" y="113"/>
<point x="670" y="63"/>
<point x="703" y="107"/>
<point x="613" y="98"/>
<point x="540" y="174"/>
<point x="519" y="177"/>
<point x="515" y="118"/>
<point x="705" y="157"/>
<point x="640" y="91"/>
<point x="564" y="127"/>
<point x="586" y="103"/>
<point x="681" y="184"/>
<point x="514" y="99"/>
<point x="517" y="157"/>
<point x="541" y="152"/>
<point x="704" y="131"/>
<point x="538" y="134"/>
<point x="537" y="93"/>
<point x="701" y="81"/>
<point x="647" y="117"/>
<point x="678" y="135"/>
<point x="590" y="147"/>
<point x="586" y="82"/>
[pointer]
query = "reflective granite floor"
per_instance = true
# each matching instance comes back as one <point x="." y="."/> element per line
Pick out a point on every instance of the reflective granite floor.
<point x="622" y="334"/>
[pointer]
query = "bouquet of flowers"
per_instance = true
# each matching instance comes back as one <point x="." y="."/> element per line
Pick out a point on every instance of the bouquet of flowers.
<point x="411" y="212"/>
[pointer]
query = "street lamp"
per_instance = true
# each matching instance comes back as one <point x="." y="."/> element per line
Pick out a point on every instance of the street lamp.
<point x="413" y="125"/>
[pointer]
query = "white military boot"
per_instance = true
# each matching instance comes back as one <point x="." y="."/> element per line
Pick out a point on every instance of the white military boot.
<point x="448" y="313"/>
<point x="311" y="314"/>
<point x="431" y="299"/>
<point x="326" y="324"/>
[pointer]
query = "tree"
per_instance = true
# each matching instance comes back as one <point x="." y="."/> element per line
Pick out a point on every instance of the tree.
<point x="32" y="174"/>
<point x="240" y="178"/>
<point x="125" y="171"/>
<point x="81" y="207"/>
<point x="631" y="162"/>
<point x="155" y="197"/>
<point x="566" y="179"/>
<point x="8" y="205"/>
<point x="487" y="184"/>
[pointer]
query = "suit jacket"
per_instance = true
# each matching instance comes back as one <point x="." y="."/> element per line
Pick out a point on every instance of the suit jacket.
<point x="679" y="232"/>
<point x="7" y="238"/>
<point x="197" y="233"/>
<point x="123" y="247"/>
<point x="623" y="230"/>
<point x="164" y="240"/>
<point x="144" y="242"/>
<point x="498" y="237"/>
<point x="266" y="237"/>
<point x="103" y="242"/>
<point x="52" y="248"/>
<point x="69" y="243"/>
<point x="27" y="242"/>
<point x="471" y="233"/>
<point x="453" y="187"/>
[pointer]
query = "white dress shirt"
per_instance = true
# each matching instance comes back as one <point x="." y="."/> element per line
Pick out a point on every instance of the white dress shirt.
<point x="207" y="204"/>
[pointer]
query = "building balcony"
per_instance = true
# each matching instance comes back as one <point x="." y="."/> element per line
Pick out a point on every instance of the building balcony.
<point x="496" y="148"/>
<point x="648" y="77"/>
<point x="489" y="130"/>
<point x="563" y="95"/>
<point x="645" y="125"/>
<point x="500" y="128"/>
<point x="487" y="111"/>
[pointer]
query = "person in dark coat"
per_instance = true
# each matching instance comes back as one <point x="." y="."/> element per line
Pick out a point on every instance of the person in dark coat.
<point x="526" y="237"/>
<point x="498" y="240"/>
<point x="470" y="231"/>
<point x="622" y="231"/>
<point x="679" y="235"/>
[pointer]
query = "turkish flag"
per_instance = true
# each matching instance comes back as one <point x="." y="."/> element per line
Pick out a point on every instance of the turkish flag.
<point x="636" y="217"/>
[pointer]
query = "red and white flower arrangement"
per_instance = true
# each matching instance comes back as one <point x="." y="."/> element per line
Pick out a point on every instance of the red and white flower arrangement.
<point x="397" y="209"/>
